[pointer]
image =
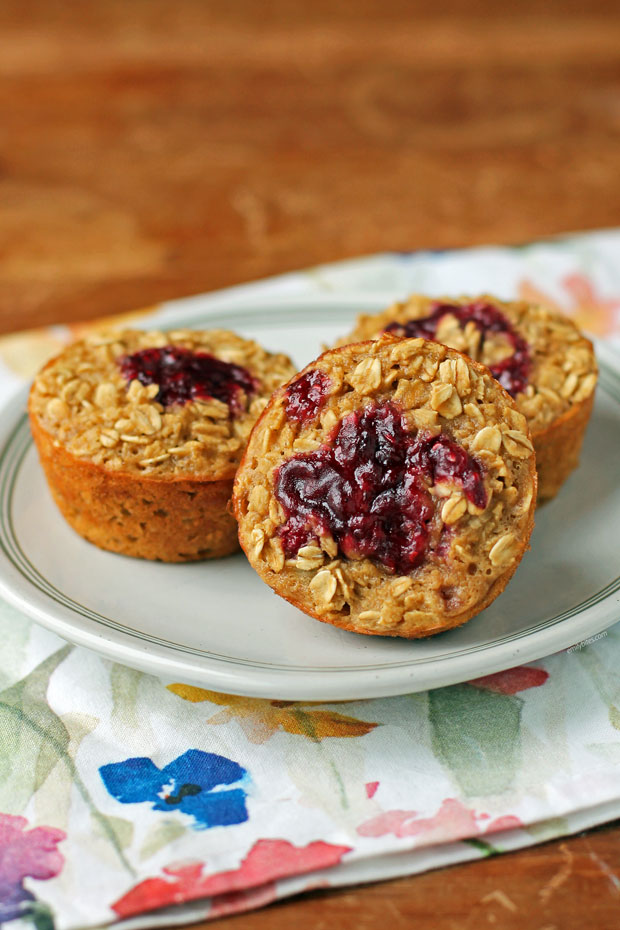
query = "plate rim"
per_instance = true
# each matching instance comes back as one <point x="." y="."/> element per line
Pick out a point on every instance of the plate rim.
<point x="258" y="679"/>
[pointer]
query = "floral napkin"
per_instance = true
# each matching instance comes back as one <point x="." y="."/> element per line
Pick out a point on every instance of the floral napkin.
<point x="124" y="797"/>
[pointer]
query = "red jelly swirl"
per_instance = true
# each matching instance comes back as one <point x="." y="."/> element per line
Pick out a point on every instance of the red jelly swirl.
<point x="512" y="372"/>
<point x="369" y="488"/>
<point x="183" y="375"/>
<point x="306" y="396"/>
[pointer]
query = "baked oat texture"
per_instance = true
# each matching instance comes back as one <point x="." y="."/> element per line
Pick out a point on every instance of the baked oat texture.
<point x="558" y="400"/>
<point x="439" y="391"/>
<point x="130" y="475"/>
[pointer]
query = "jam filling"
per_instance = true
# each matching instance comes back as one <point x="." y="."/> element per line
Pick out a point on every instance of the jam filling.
<point x="183" y="375"/>
<point x="306" y="396"/>
<point x="512" y="372"/>
<point x="369" y="488"/>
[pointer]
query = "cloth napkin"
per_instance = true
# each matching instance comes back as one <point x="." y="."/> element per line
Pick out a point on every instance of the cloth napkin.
<point x="125" y="797"/>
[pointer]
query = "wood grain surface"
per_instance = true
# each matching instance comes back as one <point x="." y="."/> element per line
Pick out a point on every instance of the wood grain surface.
<point x="156" y="148"/>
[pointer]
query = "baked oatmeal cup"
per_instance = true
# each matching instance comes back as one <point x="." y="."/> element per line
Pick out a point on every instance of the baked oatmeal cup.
<point x="538" y="355"/>
<point x="388" y="489"/>
<point x="140" y="434"/>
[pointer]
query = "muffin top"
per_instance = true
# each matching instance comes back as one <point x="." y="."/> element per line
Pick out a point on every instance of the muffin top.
<point x="158" y="403"/>
<point x="389" y="488"/>
<point x="538" y="355"/>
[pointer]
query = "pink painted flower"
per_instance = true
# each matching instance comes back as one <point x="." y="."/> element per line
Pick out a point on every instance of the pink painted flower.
<point x="512" y="680"/>
<point x="589" y="309"/>
<point x="252" y="884"/>
<point x="25" y="854"/>
<point x="506" y="822"/>
<point x="453" y="821"/>
<point x="238" y="901"/>
<point x="235" y="902"/>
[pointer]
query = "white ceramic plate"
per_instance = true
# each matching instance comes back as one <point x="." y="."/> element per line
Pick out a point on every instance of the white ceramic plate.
<point x="215" y="624"/>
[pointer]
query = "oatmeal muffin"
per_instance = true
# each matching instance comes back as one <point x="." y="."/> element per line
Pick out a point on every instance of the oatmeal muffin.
<point x="140" y="435"/>
<point x="537" y="355"/>
<point x="388" y="489"/>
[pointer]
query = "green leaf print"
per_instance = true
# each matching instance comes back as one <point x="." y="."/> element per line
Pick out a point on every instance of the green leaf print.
<point x="14" y="636"/>
<point x="123" y="829"/>
<point x="486" y="849"/>
<point x="32" y="736"/>
<point x="475" y="734"/>
<point x="604" y="678"/>
<point x="33" y="740"/>
<point x="159" y="836"/>
<point x="40" y="916"/>
<point x="124" y="683"/>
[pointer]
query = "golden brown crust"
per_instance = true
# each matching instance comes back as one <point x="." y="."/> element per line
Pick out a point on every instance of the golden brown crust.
<point x="559" y="397"/>
<point x="84" y="401"/>
<point x="484" y="547"/>
<point x="297" y="596"/>
<point x="558" y="447"/>
<point x="132" y="476"/>
<point x="171" y="520"/>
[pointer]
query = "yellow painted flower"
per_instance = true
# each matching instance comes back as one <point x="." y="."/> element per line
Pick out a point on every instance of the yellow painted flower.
<point x="260" y="719"/>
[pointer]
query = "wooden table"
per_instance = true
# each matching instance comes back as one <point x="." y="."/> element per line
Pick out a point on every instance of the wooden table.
<point x="157" y="148"/>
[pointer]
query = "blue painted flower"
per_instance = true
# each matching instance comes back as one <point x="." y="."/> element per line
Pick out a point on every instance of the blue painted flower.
<point x="195" y="783"/>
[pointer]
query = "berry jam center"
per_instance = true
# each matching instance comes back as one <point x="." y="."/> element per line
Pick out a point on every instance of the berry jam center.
<point x="183" y="375"/>
<point x="512" y="372"/>
<point x="369" y="488"/>
<point x="306" y="396"/>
